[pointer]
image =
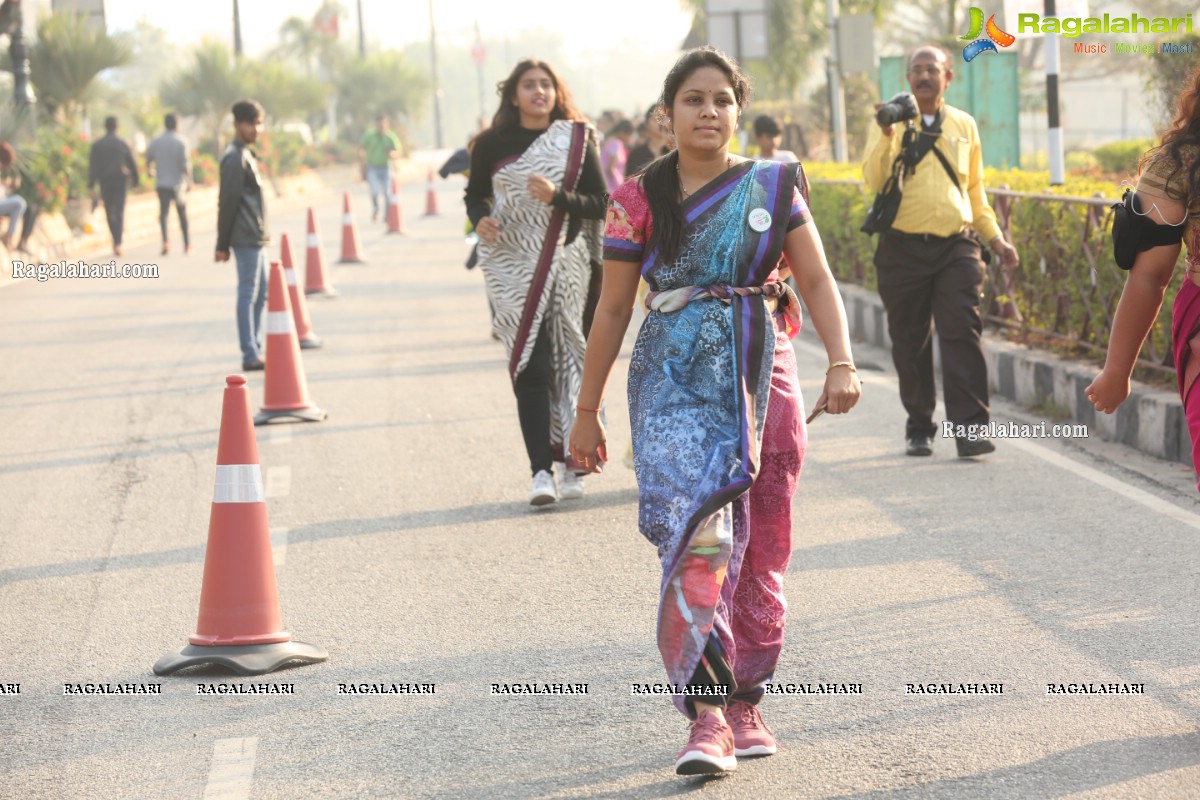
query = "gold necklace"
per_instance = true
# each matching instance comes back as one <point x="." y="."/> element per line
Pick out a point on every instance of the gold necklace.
<point x="678" y="174"/>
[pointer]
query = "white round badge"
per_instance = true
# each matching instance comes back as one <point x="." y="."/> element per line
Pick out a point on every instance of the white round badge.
<point x="760" y="219"/>
<point x="563" y="141"/>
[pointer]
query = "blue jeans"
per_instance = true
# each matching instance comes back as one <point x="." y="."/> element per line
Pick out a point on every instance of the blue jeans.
<point x="251" y="298"/>
<point x="380" y="180"/>
<point x="13" y="207"/>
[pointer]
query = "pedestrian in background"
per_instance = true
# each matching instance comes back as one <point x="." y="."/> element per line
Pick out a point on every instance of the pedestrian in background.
<point x="656" y="142"/>
<point x="379" y="147"/>
<point x="1168" y="194"/>
<point x="111" y="164"/>
<point x="929" y="266"/>
<point x="536" y="197"/>
<point x="242" y="228"/>
<point x="614" y="153"/>
<point x="768" y="135"/>
<point x="714" y="402"/>
<point x="168" y="158"/>
<point x="12" y="205"/>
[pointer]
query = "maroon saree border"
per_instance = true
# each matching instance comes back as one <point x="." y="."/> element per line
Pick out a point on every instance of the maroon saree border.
<point x="541" y="272"/>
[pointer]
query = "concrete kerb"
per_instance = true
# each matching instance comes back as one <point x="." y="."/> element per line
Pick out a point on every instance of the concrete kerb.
<point x="1151" y="420"/>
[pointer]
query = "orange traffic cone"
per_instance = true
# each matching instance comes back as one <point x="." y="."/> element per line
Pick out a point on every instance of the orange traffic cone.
<point x="430" y="196"/>
<point x="304" y="331"/>
<point x="286" y="392"/>
<point x="349" y="235"/>
<point x="395" y="215"/>
<point x="239" y="625"/>
<point x="314" y="262"/>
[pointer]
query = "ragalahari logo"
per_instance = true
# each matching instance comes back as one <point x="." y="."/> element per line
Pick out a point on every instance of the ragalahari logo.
<point x="995" y="36"/>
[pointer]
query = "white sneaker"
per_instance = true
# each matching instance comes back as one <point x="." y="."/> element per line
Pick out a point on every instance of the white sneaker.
<point x="543" y="491"/>
<point x="570" y="485"/>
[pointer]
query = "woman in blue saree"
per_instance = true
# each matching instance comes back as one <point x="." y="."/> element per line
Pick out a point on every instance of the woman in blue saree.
<point x="715" y="407"/>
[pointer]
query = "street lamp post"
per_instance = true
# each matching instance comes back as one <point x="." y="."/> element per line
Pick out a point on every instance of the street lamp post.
<point x="237" y="31"/>
<point x="437" y="89"/>
<point x="362" y="42"/>
<point x="479" y="56"/>
<point x="23" y="95"/>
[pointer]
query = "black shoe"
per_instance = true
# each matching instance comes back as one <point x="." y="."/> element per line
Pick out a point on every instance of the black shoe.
<point x="252" y="366"/>
<point x="969" y="449"/>
<point x="919" y="446"/>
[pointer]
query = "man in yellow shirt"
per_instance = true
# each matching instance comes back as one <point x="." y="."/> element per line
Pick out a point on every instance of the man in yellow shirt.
<point x="929" y="264"/>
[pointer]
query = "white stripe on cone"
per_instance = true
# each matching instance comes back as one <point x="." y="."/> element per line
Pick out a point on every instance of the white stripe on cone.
<point x="347" y="219"/>
<point x="280" y="322"/>
<point x="239" y="483"/>
<point x="313" y="241"/>
<point x="290" y="275"/>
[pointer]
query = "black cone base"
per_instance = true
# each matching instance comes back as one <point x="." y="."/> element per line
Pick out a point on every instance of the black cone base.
<point x="310" y="414"/>
<point x="248" y="659"/>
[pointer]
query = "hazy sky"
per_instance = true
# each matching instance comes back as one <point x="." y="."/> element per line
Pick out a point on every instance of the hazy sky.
<point x="590" y="26"/>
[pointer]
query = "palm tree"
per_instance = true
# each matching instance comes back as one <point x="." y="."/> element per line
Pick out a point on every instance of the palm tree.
<point x="384" y="83"/>
<point x="206" y="88"/>
<point x="303" y="40"/>
<point x="66" y="59"/>
<point x="300" y="40"/>
<point x="284" y="93"/>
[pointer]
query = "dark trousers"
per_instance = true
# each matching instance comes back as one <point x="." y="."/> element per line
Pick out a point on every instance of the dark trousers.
<point x="533" y="403"/>
<point x="167" y="195"/>
<point x="936" y="280"/>
<point x="113" y="193"/>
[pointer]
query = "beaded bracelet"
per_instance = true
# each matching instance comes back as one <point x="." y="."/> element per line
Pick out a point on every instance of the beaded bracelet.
<point x="849" y="364"/>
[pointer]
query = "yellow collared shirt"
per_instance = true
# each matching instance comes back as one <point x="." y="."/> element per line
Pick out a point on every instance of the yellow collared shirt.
<point x="931" y="203"/>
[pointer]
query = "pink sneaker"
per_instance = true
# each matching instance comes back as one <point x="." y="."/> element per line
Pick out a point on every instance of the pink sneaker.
<point x="709" y="749"/>
<point x="751" y="736"/>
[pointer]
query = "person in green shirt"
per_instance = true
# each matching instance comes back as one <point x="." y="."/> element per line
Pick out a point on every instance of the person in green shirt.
<point x="376" y="151"/>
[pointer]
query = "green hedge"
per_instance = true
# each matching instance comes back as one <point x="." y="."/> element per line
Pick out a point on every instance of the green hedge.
<point x="1058" y="288"/>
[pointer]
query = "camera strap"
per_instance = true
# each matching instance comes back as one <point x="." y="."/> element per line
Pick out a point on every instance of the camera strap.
<point x="949" y="170"/>
<point x="913" y="150"/>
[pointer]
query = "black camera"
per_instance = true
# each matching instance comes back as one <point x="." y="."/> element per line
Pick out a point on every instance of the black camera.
<point x="900" y="108"/>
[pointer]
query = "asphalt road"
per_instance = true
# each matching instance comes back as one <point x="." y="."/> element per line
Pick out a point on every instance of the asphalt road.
<point x="405" y="547"/>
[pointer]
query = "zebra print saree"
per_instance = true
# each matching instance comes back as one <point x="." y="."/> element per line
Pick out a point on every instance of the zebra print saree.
<point x="533" y="277"/>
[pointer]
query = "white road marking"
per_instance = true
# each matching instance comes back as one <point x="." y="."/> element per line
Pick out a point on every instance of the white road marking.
<point x="279" y="543"/>
<point x="281" y="434"/>
<point x="279" y="481"/>
<point x="1150" y="501"/>
<point x="232" y="769"/>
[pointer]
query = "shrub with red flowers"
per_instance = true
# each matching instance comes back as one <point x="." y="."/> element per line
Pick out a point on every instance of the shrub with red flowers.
<point x="205" y="170"/>
<point x="57" y="168"/>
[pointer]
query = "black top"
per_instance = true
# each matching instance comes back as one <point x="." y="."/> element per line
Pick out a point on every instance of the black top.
<point x="588" y="201"/>
<point x="241" y="207"/>
<point x="111" y="161"/>
<point x="640" y="158"/>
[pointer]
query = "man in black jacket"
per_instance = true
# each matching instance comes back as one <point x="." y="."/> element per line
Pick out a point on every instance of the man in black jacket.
<point x="242" y="227"/>
<point x="111" y="165"/>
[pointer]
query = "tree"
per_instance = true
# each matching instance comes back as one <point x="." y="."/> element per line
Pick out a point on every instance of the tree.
<point x="796" y="34"/>
<point x="207" y="87"/>
<point x="312" y="42"/>
<point x="67" y="58"/>
<point x="382" y="83"/>
<point x="1166" y="77"/>
<point x="283" y="93"/>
